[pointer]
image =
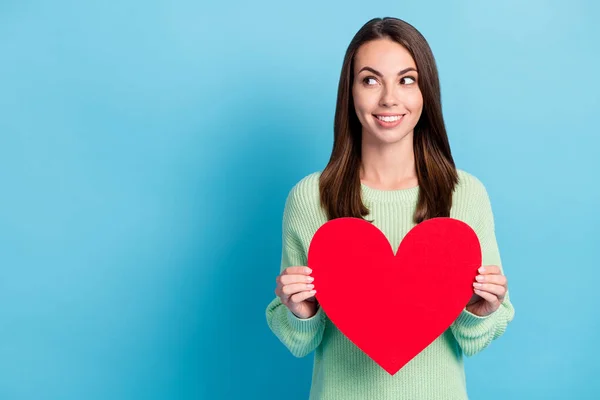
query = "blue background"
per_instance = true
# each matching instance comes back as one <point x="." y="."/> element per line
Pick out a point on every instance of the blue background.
<point x="147" y="147"/>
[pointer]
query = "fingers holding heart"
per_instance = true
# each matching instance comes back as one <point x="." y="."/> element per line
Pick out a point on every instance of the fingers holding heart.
<point x="491" y="287"/>
<point x="491" y="292"/>
<point x="290" y="291"/>
<point x="302" y="296"/>
<point x="294" y="285"/>
<point x="496" y="279"/>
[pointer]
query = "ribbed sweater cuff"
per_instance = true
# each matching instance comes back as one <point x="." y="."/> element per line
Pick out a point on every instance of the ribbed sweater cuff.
<point x="305" y="325"/>
<point x="476" y="323"/>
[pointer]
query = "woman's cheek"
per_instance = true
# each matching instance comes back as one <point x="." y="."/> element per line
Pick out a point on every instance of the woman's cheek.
<point x="415" y="101"/>
<point x="362" y="108"/>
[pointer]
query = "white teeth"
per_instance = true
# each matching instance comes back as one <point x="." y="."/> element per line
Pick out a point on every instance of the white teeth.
<point x="389" y="119"/>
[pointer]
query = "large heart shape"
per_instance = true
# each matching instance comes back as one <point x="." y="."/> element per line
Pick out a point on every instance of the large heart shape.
<point x="393" y="306"/>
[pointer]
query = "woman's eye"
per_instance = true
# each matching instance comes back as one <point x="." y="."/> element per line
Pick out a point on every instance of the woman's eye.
<point x="410" y="78"/>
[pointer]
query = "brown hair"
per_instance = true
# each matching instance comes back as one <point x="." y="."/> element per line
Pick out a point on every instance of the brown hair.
<point x="339" y="184"/>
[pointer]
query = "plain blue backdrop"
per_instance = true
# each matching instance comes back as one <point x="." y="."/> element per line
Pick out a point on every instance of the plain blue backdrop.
<point x="147" y="147"/>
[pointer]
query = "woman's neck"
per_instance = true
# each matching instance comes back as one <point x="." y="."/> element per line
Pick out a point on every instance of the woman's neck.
<point x="389" y="166"/>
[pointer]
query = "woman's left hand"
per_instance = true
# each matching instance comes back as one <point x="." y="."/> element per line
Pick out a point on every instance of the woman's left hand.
<point x="490" y="289"/>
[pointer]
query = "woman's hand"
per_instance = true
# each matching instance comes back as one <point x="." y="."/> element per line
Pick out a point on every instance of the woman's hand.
<point x="295" y="290"/>
<point x="490" y="289"/>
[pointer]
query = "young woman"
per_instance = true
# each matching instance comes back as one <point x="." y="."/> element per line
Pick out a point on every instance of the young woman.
<point x="391" y="164"/>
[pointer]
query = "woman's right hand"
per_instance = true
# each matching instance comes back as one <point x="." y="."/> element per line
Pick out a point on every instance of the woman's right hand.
<point x="295" y="290"/>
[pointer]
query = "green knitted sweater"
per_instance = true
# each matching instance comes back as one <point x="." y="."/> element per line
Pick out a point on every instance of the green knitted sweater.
<point x="341" y="371"/>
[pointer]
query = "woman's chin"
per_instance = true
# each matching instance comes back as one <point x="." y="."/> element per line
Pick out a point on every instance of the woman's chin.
<point x="386" y="137"/>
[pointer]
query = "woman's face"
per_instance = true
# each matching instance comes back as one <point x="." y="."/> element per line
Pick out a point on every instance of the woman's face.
<point x="387" y="98"/>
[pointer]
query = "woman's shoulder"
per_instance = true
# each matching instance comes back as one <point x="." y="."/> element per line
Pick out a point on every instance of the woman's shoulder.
<point x="303" y="204"/>
<point x="308" y="183"/>
<point x="305" y="192"/>
<point x="470" y="200"/>
<point x="469" y="184"/>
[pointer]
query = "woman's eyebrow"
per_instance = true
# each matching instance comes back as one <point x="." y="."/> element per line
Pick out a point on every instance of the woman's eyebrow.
<point x="379" y="74"/>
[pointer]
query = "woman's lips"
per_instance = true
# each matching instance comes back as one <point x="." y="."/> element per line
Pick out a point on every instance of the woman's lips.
<point x="391" y="124"/>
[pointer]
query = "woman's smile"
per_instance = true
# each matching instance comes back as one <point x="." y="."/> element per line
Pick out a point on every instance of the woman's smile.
<point x="389" y="121"/>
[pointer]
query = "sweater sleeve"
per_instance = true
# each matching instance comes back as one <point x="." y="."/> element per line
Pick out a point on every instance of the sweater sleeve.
<point x="472" y="332"/>
<point x="300" y="336"/>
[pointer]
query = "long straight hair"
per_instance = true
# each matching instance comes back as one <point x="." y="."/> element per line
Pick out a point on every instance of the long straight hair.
<point x="339" y="183"/>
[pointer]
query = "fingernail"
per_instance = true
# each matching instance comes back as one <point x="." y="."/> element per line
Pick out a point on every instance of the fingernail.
<point x="477" y="285"/>
<point x="308" y="270"/>
<point x="481" y="270"/>
<point x="479" y="278"/>
<point x="310" y="278"/>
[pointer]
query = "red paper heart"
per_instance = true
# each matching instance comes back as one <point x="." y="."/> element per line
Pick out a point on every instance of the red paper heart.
<point x="393" y="306"/>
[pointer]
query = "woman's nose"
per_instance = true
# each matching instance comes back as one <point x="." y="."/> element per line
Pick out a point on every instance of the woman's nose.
<point x="388" y="99"/>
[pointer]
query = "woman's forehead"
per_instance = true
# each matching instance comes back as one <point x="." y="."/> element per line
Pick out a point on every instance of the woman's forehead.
<point x="384" y="55"/>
